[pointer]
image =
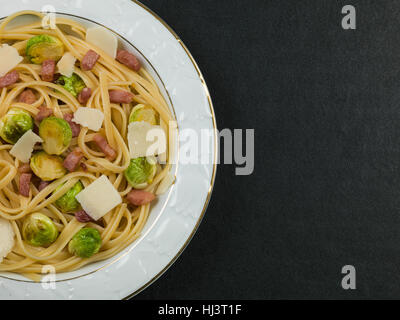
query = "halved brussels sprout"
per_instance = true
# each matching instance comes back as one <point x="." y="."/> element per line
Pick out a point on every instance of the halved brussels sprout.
<point x="85" y="243"/>
<point x="56" y="134"/>
<point x="141" y="172"/>
<point x="68" y="203"/>
<point x="73" y="84"/>
<point x="47" y="167"/>
<point x="38" y="230"/>
<point x="15" y="124"/>
<point x="144" y="113"/>
<point x="44" y="47"/>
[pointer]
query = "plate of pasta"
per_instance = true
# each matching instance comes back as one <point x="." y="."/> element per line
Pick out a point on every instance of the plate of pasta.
<point x="94" y="100"/>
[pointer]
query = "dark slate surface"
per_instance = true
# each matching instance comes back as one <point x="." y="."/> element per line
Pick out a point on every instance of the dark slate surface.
<point x="325" y="104"/>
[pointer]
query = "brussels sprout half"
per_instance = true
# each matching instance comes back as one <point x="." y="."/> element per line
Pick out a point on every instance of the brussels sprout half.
<point x="44" y="47"/>
<point x="38" y="230"/>
<point x="68" y="203"/>
<point x="141" y="172"/>
<point x="85" y="243"/>
<point x="144" y="113"/>
<point x="47" y="167"/>
<point x="73" y="84"/>
<point x="15" y="124"/>
<point x="56" y="134"/>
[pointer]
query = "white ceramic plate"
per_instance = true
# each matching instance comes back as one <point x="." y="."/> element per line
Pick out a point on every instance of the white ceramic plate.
<point x="176" y="216"/>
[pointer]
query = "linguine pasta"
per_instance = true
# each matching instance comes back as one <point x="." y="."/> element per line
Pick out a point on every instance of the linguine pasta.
<point x="123" y="224"/>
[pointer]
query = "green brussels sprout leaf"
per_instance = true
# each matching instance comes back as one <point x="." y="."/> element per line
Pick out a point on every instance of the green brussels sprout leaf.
<point x="47" y="167"/>
<point x="73" y="84"/>
<point x="38" y="230"/>
<point x="56" y="134"/>
<point x="144" y="113"/>
<point x="44" y="47"/>
<point x="68" y="203"/>
<point x="15" y="124"/>
<point x="141" y="172"/>
<point x="85" y="243"/>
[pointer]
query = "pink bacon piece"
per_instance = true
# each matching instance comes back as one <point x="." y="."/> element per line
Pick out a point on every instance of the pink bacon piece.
<point x="83" y="217"/>
<point x="128" y="59"/>
<point x="27" y="96"/>
<point x="105" y="147"/>
<point x="43" y="113"/>
<point x="120" y="96"/>
<point x="24" y="184"/>
<point x="76" y="128"/>
<point x="140" y="197"/>
<point x="43" y="185"/>
<point x="89" y="60"/>
<point x="84" y="95"/>
<point x="9" y="79"/>
<point x="48" y="70"/>
<point x="72" y="161"/>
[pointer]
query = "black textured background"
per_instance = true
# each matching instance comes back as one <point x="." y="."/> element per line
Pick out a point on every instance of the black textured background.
<point x="325" y="104"/>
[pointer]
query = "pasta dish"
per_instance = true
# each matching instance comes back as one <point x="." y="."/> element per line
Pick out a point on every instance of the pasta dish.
<point x="78" y="172"/>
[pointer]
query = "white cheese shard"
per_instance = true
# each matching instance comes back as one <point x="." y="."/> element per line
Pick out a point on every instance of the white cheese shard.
<point x="66" y="66"/>
<point x="9" y="59"/>
<point x="89" y="118"/>
<point x="99" y="198"/>
<point x="163" y="157"/>
<point x="146" y="140"/>
<point x="165" y="184"/>
<point x="103" y="39"/>
<point x="6" y="238"/>
<point x="23" y="149"/>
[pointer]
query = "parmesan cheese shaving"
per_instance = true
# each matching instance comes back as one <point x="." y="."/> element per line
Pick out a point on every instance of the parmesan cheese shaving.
<point x="23" y="149"/>
<point x="89" y="118"/>
<point x="66" y="66"/>
<point x="146" y="140"/>
<point x="9" y="59"/>
<point x="103" y="39"/>
<point x="6" y="238"/>
<point x="99" y="198"/>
